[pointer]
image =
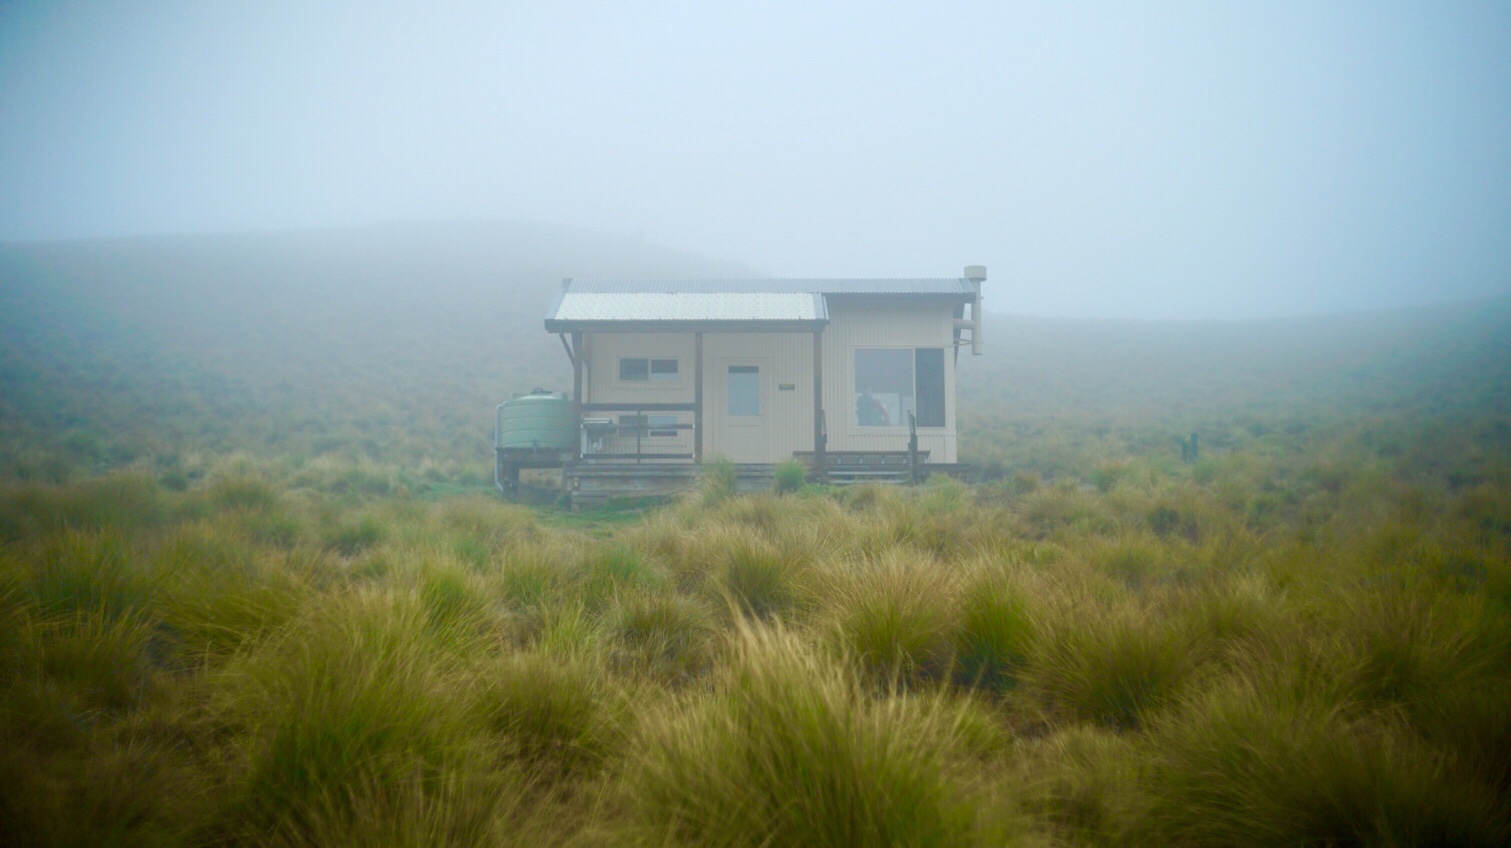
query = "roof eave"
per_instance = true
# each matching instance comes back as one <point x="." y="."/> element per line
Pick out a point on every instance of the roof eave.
<point x="554" y="325"/>
<point x="937" y="297"/>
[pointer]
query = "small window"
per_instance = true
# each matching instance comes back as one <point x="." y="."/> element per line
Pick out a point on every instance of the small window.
<point x="634" y="370"/>
<point x="654" y="426"/>
<point x="642" y="369"/>
<point x="663" y="370"/>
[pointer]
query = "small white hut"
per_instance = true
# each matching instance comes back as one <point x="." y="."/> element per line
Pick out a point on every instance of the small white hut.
<point x="855" y="377"/>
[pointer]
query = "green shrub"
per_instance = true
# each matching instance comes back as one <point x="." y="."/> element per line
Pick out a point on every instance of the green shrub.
<point x="789" y="476"/>
<point x="720" y="481"/>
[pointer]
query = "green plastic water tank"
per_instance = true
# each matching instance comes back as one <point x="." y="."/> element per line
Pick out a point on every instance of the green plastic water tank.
<point x="539" y="420"/>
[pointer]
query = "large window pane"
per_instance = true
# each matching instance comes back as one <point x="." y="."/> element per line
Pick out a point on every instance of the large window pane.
<point x="744" y="390"/>
<point x="883" y="387"/>
<point x="929" y="362"/>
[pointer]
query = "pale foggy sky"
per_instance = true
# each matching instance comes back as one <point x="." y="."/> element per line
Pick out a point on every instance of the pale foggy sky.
<point x="1119" y="159"/>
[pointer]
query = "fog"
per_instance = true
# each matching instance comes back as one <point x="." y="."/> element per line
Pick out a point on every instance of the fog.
<point x="1113" y="160"/>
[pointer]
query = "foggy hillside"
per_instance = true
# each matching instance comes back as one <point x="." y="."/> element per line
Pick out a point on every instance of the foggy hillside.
<point x="392" y="344"/>
<point x="126" y="347"/>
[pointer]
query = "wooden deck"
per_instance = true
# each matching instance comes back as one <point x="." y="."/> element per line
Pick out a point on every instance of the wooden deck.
<point x="594" y="483"/>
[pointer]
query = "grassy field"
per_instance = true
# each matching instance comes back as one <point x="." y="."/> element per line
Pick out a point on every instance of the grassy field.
<point x="255" y="589"/>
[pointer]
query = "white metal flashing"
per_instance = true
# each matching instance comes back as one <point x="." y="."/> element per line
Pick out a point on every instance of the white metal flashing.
<point x="578" y="306"/>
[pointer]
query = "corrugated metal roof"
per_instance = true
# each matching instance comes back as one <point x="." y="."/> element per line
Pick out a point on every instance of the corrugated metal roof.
<point x="924" y="286"/>
<point x="576" y="305"/>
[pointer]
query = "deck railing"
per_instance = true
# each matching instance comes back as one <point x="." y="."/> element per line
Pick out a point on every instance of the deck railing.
<point x="638" y="432"/>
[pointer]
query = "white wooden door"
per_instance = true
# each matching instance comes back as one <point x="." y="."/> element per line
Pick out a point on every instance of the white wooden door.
<point x="740" y="413"/>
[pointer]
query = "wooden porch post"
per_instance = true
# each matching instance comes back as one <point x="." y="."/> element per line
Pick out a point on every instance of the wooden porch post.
<point x="578" y="351"/>
<point x="820" y="438"/>
<point x="698" y="397"/>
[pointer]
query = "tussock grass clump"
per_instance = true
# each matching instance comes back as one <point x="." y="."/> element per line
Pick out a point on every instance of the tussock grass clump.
<point x="1402" y="646"/>
<point x="557" y="715"/>
<point x="1240" y="617"/>
<point x="569" y="629"/>
<point x="1133" y="560"/>
<point x="532" y="573"/>
<point x="241" y="490"/>
<point x="352" y="699"/>
<point x="994" y="634"/>
<point x="794" y="752"/>
<point x="79" y="664"/>
<point x="666" y="634"/>
<point x="944" y="494"/>
<point x="352" y="537"/>
<point x="1113" y="667"/>
<point x="1061" y="509"/>
<point x="457" y="600"/>
<point x="1083" y="782"/>
<point x="118" y="502"/>
<point x="217" y="592"/>
<point x="1249" y="765"/>
<point x="118" y="790"/>
<point x="454" y="809"/>
<point x="757" y="578"/>
<point x="895" y="620"/>
<point x="603" y="571"/>
<point x="93" y="571"/>
<point x="1471" y="722"/>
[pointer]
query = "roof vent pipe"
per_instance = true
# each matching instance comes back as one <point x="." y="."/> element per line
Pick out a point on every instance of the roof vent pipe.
<point x="976" y="274"/>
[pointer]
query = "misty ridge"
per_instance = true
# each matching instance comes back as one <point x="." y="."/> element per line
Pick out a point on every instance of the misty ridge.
<point x="397" y="340"/>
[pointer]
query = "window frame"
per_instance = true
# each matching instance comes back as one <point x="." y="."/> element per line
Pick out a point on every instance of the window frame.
<point x="653" y="425"/>
<point x="652" y="376"/>
<point x="860" y="428"/>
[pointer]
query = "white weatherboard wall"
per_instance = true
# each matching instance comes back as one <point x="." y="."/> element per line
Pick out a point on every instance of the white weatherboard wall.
<point x="601" y="383"/>
<point x="854" y="324"/>
<point x="786" y="359"/>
